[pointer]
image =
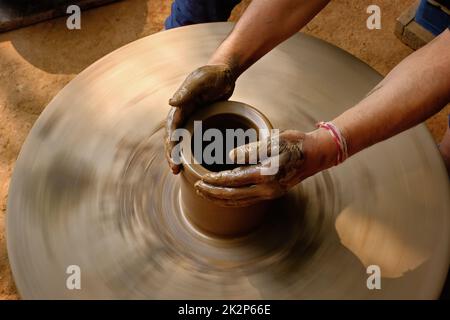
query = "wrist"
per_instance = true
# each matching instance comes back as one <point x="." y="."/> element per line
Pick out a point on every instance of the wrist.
<point x="232" y="67"/>
<point x="227" y="56"/>
<point x="321" y="148"/>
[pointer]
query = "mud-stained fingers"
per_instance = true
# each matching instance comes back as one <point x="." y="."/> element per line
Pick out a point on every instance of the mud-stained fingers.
<point x="238" y="196"/>
<point x="253" y="152"/>
<point x="174" y="119"/>
<point x="187" y="92"/>
<point x="245" y="154"/>
<point x="204" y="85"/>
<point x="232" y="203"/>
<point x="237" y="177"/>
<point x="175" y="167"/>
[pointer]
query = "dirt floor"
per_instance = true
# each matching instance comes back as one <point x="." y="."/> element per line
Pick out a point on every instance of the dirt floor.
<point x="38" y="61"/>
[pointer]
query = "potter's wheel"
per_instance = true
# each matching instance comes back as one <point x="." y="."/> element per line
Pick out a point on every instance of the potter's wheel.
<point x="91" y="188"/>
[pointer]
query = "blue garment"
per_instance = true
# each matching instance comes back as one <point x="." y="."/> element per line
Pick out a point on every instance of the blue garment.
<point x="186" y="12"/>
<point x="432" y="17"/>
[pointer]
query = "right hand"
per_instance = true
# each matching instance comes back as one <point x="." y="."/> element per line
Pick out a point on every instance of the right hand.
<point x="203" y="86"/>
<point x="299" y="155"/>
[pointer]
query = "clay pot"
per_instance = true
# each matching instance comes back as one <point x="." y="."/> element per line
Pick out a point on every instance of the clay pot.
<point x="204" y="214"/>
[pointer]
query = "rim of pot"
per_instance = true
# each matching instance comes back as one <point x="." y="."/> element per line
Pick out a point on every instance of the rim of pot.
<point x="250" y="114"/>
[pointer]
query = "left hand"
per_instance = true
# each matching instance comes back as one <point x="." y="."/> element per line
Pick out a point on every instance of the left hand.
<point x="203" y="86"/>
<point x="300" y="155"/>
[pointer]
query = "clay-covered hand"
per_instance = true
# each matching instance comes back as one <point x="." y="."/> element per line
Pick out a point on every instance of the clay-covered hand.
<point x="203" y="86"/>
<point x="299" y="155"/>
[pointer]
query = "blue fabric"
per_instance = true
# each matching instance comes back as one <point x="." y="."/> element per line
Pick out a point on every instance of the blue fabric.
<point x="186" y="12"/>
<point x="433" y="18"/>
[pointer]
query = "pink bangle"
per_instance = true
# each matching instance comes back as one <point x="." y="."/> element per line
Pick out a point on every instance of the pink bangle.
<point x="338" y="138"/>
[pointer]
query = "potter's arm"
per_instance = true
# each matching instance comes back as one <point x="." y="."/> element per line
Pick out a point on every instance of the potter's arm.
<point x="264" y="25"/>
<point x="413" y="91"/>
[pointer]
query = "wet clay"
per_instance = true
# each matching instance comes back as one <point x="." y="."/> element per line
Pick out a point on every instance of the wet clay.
<point x="205" y="214"/>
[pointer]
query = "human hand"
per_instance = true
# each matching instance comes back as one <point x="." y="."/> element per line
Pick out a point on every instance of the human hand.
<point x="203" y="86"/>
<point x="300" y="155"/>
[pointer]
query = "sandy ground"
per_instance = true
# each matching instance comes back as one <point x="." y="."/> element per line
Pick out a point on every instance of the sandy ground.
<point x="36" y="62"/>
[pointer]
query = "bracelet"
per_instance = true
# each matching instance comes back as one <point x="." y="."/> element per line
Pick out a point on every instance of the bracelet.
<point x="338" y="139"/>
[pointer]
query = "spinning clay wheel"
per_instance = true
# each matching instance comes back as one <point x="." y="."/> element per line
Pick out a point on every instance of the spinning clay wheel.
<point x="92" y="188"/>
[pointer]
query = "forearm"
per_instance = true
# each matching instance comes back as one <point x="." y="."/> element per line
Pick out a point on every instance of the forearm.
<point x="413" y="91"/>
<point x="264" y="25"/>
